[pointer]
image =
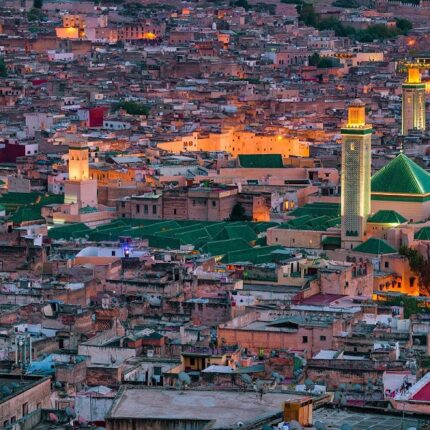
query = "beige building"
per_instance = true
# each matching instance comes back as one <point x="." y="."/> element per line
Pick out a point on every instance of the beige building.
<point x="239" y="142"/>
<point x="22" y="395"/>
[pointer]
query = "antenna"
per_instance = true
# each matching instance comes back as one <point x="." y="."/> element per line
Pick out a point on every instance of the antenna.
<point x="319" y="425"/>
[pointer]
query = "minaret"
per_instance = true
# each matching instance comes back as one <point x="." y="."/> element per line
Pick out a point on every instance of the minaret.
<point x="356" y="173"/>
<point x="413" y="102"/>
<point x="80" y="188"/>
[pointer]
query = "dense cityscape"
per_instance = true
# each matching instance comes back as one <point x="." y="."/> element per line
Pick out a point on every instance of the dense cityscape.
<point x="214" y="214"/>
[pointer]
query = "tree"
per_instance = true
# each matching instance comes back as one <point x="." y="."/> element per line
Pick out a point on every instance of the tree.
<point x="3" y="68"/>
<point x="238" y="213"/>
<point x="403" y="25"/>
<point x="35" y="15"/>
<point x="419" y="265"/>
<point x="38" y="4"/>
<point x="242" y="3"/>
<point x="132" y="108"/>
<point x="307" y="14"/>
<point x="314" y="59"/>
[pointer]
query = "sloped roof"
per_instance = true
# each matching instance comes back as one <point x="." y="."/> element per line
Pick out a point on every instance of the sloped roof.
<point x="222" y="247"/>
<point x="261" y="161"/>
<point x="375" y="246"/>
<point x="387" y="217"/>
<point x="423" y="234"/>
<point x="237" y="232"/>
<point x="401" y="176"/>
<point x="331" y="240"/>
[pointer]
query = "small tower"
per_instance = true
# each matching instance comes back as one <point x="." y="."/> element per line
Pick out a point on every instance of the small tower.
<point x="413" y="102"/>
<point x="80" y="188"/>
<point x="356" y="174"/>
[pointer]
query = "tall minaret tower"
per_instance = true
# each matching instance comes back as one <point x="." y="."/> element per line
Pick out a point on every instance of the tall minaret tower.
<point x="413" y="102"/>
<point x="356" y="173"/>
<point x="80" y="188"/>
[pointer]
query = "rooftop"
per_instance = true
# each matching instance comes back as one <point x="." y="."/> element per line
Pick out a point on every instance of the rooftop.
<point x="224" y="408"/>
<point x="401" y="176"/>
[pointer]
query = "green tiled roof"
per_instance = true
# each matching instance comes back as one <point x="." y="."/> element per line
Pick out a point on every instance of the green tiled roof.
<point x="68" y="231"/>
<point x="250" y="255"/>
<point x="331" y="240"/>
<point x="26" y="214"/>
<point x="401" y="176"/>
<point x="263" y="161"/>
<point x="387" y="217"/>
<point x="222" y="247"/>
<point x="423" y="234"/>
<point x="375" y="246"/>
<point x="237" y="232"/>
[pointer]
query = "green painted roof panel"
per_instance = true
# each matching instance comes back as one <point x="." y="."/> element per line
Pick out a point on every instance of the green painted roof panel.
<point x="401" y="176"/>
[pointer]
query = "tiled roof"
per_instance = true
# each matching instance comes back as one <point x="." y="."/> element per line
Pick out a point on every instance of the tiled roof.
<point x="375" y="246"/>
<point x="222" y="247"/>
<point x="262" y="161"/>
<point x="401" y="176"/>
<point x="237" y="231"/>
<point x="387" y="217"/>
<point x="423" y="234"/>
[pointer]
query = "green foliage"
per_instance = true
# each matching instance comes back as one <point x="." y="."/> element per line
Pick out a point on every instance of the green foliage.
<point x="403" y="25"/>
<point x="348" y="4"/>
<point x="323" y="62"/>
<point x="238" y="213"/>
<point x="37" y="4"/>
<point x="3" y="68"/>
<point x="419" y="265"/>
<point x="411" y="306"/>
<point x="35" y="15"/>
<point x="307" y="14"/>
<point x="241" y="3"/>
<point x="132" y="108"/>
<point x="309" y="17"/>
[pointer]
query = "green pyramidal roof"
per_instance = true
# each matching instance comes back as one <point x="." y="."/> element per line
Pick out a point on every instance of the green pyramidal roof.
<point x="423" y="234"/>
<point x="375" y="246"/>
<point x="386" y="217"/>
<point x="401" y="176"/>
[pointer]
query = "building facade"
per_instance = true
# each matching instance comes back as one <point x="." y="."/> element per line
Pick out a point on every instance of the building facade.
<point x="356" y="174"/>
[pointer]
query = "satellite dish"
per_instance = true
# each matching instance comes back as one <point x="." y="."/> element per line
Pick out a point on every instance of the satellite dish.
<point x="295" y="425"/>
<point x="184" y="378"/>
<point x="319" y="425"/>
<point x="70" y="412"/>
<point x="246" y="378"/>
<point x="345" y="426"/>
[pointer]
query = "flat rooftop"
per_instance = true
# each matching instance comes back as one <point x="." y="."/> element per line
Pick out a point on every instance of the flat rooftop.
<point x="363" y="420"/>
<point x="225" y="408"/>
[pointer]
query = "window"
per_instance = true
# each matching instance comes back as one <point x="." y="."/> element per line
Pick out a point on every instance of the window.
<point x="137" y="208"/>
<point x="113" y="253"/>
<point x="213" y="203"/>
<point x="323" y="338"/>
<point x="192" y="361"/>
<point x="25" y="409"/>
<point x="174" y="211"/>
<point x="145" y="209"/>
<point x="154" y="209"/>
<point x="304" y="339"/>
<point x="387" y="264"/>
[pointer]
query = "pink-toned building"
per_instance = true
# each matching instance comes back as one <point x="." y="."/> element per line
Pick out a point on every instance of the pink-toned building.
<point x="261" y="332"/>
